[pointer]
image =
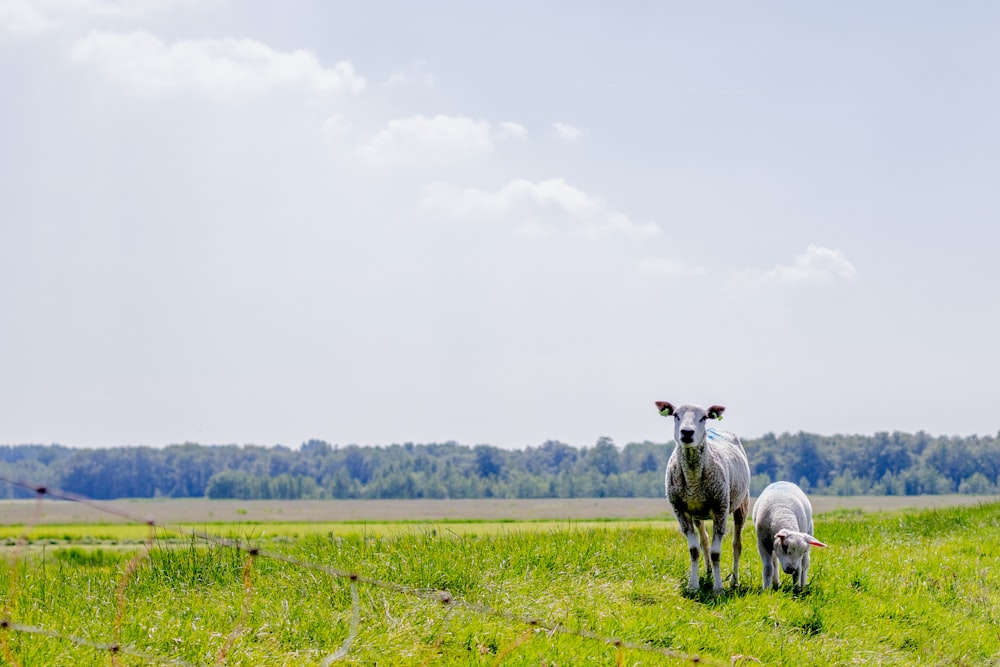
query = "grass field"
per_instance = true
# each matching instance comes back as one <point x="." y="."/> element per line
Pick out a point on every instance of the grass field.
<point x="196" y="510"/>
<point x="59" y="522"/>
<point x="895" y="587"/>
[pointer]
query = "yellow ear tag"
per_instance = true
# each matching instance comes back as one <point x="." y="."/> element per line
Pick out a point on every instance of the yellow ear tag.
<point x="719" y="418"/>
<point x="665" y="412"/>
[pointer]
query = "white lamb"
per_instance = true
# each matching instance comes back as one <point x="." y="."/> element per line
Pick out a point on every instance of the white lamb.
<point x="707" y="477"/>
<point x="783" y="518"/>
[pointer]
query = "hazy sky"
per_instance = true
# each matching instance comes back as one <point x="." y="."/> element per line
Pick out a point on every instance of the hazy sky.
<point x="502" y="223"/>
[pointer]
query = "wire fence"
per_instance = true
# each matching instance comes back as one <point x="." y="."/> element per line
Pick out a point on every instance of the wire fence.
<point x="115" y="648"/>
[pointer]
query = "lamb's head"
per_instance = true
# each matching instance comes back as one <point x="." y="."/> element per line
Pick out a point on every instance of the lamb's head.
<point x="791" y="546"/>
<point x="689" y="421"/>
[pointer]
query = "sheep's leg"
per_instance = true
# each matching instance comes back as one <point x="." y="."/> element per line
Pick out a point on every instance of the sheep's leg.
<point x="718" y="532"/>
<point x="703" y="534"/>
<point x="691" y="533"/>
<point x="739" y="517"/>
<point x="767" y="565"/>
<point x="776" y="572"/>
<point x="804" y="570"/>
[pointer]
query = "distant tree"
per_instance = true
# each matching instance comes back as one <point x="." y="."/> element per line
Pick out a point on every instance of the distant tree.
<point x="891" y="454"/>
<point x="341" y="485"/>
<point x="489" y="461"/>
<point x="885" y="463"/>
<point x="229" y="484"/>
<point x="650" y="464"/>
<point x="604" y="457"/>
<point x="978" y="484"/>
<point x="759" y="482"/>
<point x="316" y="448"/>
<point x="357" y="464"/>
<point x="552" y="457"/>
<point x="808" y="461"/>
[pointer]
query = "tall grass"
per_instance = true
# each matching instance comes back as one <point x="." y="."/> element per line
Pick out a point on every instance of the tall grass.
<point x="904" y="588"/>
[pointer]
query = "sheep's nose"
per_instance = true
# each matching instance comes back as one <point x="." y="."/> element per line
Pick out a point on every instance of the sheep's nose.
<point x="687" y="435"/>
<point x="791" y="570"/>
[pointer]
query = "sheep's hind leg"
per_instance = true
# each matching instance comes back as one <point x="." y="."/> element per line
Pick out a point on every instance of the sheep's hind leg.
<point x="703" y="535"/>
<point x="739" y="517"/>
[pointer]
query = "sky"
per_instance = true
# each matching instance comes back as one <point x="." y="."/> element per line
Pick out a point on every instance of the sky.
<point x="504" y="223"/>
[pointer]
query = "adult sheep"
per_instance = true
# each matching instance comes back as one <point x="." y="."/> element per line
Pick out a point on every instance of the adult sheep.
<point x="782" y="516"/>
<point x="707" y="477"/>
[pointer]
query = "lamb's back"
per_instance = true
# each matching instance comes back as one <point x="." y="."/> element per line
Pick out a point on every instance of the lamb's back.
<point x="782" y="505"/>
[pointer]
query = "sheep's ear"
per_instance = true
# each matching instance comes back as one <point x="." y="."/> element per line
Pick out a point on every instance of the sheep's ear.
<point x="666" y="409"/>
<point x="813" y="541"/>
<point x="715" y="412"/>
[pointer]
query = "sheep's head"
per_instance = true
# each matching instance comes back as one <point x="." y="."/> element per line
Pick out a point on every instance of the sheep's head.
<point x="791" y="546"/>
<point x="689" y="421"/>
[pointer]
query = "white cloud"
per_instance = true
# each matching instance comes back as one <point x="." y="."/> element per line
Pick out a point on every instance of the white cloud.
<point x="436" y="139"/>
<point x="22" y="18"/>
<point x="816" y="265"/>
<point x="508" y="130"/>
<point x="662" y="266"/>
<point x="116" y="8"/>
<point x="144" y="62"/>
<point x="28" y="18"/>
<point x="541" y="208"/>
<point x="566" y="132"/>
<point x="335" y="127"/>
<point x="414" y="75"/>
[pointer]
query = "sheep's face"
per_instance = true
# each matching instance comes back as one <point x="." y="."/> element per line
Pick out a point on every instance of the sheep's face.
<point x="689" y="421"/>
<point x="791" y="547"/>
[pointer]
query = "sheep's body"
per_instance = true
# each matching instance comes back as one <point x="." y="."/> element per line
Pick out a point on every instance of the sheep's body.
<point x="707" y="477"/>
<point x="782" y="516"/>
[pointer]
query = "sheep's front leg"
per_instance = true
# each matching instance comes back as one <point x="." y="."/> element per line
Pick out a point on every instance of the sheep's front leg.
<point x="767" y="564"/>
<point x="771" y="568"/>
<point x="804" y="570"/>
<point x="691" y="533"/>
<point x="718" y="532"/>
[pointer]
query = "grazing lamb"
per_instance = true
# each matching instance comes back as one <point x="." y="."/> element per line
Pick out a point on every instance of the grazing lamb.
<point x="708" y="477"/>
<point x="783" y="518"/>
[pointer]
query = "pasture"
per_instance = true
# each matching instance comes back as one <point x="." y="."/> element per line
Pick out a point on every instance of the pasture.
<point x="898" y="585"/>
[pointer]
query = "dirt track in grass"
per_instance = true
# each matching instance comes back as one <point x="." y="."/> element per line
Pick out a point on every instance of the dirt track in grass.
<point x="188" y="510"/>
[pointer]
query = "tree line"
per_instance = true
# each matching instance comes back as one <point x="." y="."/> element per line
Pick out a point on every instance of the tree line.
<point x="882" y="464"/>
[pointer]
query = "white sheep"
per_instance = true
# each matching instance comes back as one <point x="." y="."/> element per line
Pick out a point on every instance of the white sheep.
<point x="707" y="477"/>
<point x="782" y="516"/>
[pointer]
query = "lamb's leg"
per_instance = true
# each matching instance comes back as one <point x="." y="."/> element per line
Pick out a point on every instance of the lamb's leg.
<point x="767" y="565"/>
<point x="739" y="517"/>
<point x="804" y="571"/>
<point x="776" y="569"/>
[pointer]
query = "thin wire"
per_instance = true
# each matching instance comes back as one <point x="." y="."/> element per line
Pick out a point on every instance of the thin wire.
<point x="441" y="596"/>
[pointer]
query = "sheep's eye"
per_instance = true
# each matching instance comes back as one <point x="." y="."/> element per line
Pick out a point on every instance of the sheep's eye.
<point x="677" y="417"/>
<point x="704" y="417"/>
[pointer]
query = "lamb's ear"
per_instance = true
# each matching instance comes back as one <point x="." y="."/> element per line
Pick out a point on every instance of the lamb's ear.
<point x="715" y="412"/>
<point x="812" y="540"/>
<point x="666" y="409"/>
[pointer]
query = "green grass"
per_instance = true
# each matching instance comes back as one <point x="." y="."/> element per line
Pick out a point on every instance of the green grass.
<point x="899" y="588"/>
<point x="133" y="532"/>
